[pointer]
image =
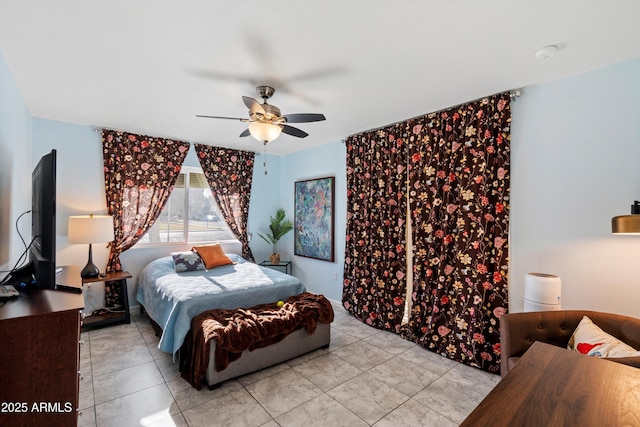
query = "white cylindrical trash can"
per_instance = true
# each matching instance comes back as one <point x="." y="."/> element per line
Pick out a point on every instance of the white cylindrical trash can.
<point x="542" y="292"/>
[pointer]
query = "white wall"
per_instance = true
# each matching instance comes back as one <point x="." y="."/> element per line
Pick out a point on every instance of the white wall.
<point x="15" y="168"/>
<point x="80" y="182"/>
<point x="575" y="164"/>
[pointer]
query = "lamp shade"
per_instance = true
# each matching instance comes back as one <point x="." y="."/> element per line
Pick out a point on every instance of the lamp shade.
<point x="264" y="132"/>
<point x="625" y="224"/>
<point x="90" y="229"/>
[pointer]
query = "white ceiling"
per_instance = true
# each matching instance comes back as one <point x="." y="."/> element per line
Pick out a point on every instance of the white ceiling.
<point x="149" y="66"/>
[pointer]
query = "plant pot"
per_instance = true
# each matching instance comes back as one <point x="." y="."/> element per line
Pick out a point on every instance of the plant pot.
<point x="275" y="259"/>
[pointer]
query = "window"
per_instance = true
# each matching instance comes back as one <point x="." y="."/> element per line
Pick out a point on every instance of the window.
<point x="190" y="215"/>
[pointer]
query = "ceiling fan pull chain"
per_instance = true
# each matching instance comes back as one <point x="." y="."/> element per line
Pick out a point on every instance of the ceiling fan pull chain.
<point x="264" y="154"/>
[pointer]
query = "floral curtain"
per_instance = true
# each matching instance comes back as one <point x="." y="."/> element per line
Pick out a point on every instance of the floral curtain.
<point x="460" y="185"/>
<point x="375" y="255"/>
<point x="230" y="174"/>
<point x="453" y="167"/>
<point x="139" y="172"/>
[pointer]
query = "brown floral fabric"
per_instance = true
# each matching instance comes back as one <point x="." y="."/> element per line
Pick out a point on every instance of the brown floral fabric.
<point x="375" y="254"/>
<point x="139" y="173"/>
<point x="230" y="174"/>
<point x="455" y="165"/>
<point x="460" y="184"/>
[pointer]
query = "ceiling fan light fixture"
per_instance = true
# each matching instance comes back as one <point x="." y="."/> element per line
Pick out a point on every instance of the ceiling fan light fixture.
<point x="264" y="132"/>
<point x="266" y="123"/>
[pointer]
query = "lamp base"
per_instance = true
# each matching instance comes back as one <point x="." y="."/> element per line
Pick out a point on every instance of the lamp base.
<point x="90" y="270"/>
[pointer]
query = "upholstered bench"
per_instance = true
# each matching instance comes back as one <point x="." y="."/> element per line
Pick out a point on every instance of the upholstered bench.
<point x="293" y="345"/>
<point x="225" y="344"/>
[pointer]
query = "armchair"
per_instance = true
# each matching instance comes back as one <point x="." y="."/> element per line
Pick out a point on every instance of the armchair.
<point x="518" y="331"/>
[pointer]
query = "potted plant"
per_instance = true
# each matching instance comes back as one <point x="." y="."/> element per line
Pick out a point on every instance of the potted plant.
<point x="279" y="227"/>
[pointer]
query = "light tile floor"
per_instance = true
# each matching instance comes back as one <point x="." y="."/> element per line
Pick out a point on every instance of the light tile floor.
<point x="366" y="377"/>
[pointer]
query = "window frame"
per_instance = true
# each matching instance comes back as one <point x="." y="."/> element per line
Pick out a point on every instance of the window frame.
<point x="185" y="170"/>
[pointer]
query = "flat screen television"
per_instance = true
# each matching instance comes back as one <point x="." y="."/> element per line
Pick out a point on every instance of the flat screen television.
<point x="42" y="253"/>
<point x="40" y="272"/>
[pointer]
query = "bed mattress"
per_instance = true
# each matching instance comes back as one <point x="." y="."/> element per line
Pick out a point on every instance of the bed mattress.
<point x="172" y="299"/>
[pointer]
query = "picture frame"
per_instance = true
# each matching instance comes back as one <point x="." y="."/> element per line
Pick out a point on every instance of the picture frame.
<point x="313" y="224"/>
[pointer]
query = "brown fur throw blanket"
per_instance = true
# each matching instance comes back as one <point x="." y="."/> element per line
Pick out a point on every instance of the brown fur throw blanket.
<point x="247" y="329"/>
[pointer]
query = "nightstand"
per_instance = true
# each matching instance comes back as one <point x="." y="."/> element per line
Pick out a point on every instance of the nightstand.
<point x="286" y="265"/>
<point x="110" y="317"/>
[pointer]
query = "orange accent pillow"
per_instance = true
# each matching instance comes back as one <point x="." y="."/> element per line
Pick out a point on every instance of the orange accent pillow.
<point x="212" y="255"/>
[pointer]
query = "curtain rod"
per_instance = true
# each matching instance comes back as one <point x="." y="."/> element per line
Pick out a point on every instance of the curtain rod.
<point x="513" y="94"/>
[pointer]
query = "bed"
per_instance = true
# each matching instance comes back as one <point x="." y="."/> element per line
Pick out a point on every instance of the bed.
<point x="172" y="299"/>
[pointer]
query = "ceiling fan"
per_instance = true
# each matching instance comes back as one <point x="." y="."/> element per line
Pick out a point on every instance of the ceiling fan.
<point x="265" y="120"/>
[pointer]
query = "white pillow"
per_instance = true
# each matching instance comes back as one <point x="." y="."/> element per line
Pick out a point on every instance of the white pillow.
<point x="591" y="340"/>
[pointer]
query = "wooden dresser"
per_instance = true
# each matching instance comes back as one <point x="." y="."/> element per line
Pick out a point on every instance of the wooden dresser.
<point x="40" y="350"/>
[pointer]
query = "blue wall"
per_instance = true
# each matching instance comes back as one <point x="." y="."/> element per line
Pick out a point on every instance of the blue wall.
<point x="80" y="190"/>
<point x="326" y="160"/>
<point x="265" y="200"/>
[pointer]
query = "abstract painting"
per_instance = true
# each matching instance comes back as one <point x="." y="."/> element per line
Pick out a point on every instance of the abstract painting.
<point x="313" y="218"/>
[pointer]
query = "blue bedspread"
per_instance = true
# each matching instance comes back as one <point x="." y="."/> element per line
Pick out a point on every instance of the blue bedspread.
<point x="172" y="299"/>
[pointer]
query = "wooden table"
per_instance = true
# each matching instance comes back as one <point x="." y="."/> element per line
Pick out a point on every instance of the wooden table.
<point x="553" y="386"/>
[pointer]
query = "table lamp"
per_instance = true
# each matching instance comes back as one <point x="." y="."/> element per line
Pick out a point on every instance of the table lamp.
<point x="90" y="229"/>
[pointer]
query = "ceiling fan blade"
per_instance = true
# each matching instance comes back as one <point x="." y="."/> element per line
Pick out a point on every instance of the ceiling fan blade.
<point x="253" y="105"/>
<point x="245" y="133"/>
<point x="304" y="118"/>
<point x="290" y="130"/>
<point x="221" y="117"/>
